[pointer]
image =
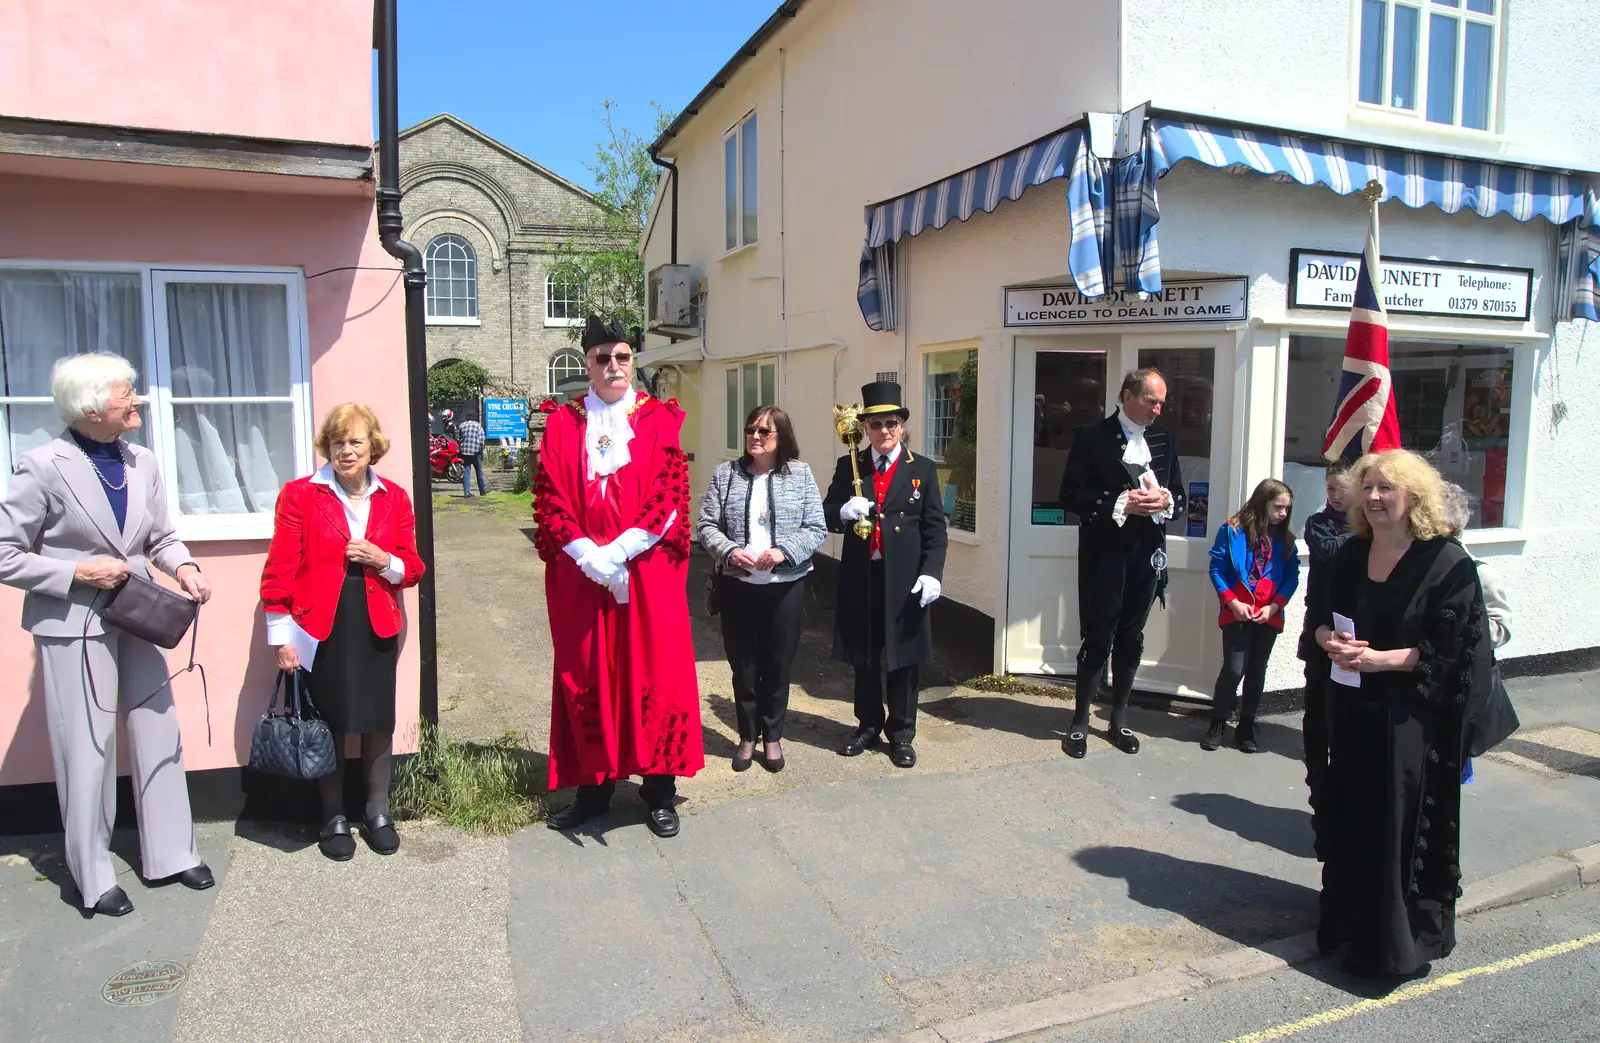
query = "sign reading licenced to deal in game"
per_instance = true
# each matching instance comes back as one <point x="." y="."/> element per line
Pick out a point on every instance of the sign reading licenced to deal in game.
<point x="1212" y="300"/>
<point x="1327" y="279"/>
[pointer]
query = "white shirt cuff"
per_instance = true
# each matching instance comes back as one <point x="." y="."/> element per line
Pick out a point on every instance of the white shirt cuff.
<point x="1171" y="508"/>
<point x="280" y="628"/>
<point x="635" y="542"/>
<point x="396" y="572"/>
<point x="1119" y="512"/>
<point x="579" y="547"/>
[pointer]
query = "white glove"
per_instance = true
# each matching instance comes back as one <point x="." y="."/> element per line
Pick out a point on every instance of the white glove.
<point x="603" y="563"/>
<point x="855" y="509"/>
<point x="929" y="588"/>
<point x="619" y="587"/>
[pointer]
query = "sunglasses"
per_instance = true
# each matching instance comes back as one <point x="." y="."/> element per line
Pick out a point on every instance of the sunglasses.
<point x="605" y="358"/>
<point x="759" y="432"/>
<point x="883" y="425"/>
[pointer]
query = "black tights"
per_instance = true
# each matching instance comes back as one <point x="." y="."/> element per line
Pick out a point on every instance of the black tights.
<point x="377" y="765"/>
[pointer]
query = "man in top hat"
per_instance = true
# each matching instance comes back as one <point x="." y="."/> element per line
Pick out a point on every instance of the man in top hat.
<point x="1123" y="483"/>
<point x="612" y="506"/>
<point x="888" y="580"/>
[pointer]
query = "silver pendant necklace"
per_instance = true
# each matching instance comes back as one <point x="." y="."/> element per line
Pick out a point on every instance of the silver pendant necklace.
<point x="101" y="474"/>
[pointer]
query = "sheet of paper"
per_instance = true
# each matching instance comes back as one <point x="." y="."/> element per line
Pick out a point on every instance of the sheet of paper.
<point x="305" y="646"/>
<point x="1339" y="675"/>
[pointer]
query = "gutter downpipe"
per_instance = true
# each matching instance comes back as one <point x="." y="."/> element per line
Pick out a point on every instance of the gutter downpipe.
<point x="671" y="168"/>
<point x="390" y="224"/>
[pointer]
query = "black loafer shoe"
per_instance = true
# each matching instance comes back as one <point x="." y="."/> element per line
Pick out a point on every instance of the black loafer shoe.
<point x="1213" y="736"/>
<point x="859" y="743"/>
<point x="903" y="756"/>
<point x="336" y="842"/>
<point x="1124" y="740"/>
<point x="772" y="764"/>
<point x="114" y="903"/>
<point x="1076" y="744"/>
<point x="380" y="834"/>
<point x="663" y="822"/>
<point x="197" y="879"/>
<point x="576" y="814"/>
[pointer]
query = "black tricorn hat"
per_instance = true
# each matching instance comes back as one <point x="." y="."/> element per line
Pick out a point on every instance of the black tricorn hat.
<point x="881" y="397"/>
<point x="597" y="332"/>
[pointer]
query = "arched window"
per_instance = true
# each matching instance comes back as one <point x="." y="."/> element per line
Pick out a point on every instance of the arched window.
<point x="452" y="267"/>
<point x="565" y="365"/>
<point x="563" y="301"/>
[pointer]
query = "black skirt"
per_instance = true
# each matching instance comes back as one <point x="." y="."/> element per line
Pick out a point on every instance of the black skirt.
<point x="352" y="677"/>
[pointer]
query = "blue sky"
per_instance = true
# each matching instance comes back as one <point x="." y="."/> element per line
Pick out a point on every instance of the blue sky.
<point x="532" y="73"/>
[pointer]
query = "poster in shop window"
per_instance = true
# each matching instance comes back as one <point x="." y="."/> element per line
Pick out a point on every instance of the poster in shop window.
<point x="1486" y="408"/>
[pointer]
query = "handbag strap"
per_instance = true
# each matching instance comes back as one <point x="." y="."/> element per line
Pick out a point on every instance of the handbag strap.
<point x="193" y="665"/>
<point x="296" y="711"/>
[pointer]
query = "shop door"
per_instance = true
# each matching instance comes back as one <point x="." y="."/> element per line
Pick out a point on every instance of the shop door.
<point x="1062" y="383"/>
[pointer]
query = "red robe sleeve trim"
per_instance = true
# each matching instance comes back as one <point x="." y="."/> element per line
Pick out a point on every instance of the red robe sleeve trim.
<point x="668" y="491"/>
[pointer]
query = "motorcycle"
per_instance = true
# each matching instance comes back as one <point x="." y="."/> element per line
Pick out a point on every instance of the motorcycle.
<point x="444" y="458"/>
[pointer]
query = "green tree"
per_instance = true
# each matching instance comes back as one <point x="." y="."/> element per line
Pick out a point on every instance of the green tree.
<point x="456" y="382"/>
<point x="602" y="265"/>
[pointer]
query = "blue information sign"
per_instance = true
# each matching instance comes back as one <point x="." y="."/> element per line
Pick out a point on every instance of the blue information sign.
<point x="505" y="418"/>
<point x="1199" y="507"/>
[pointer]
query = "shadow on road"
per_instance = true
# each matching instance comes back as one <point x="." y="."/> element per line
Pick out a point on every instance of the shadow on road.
<point x="1287" y="829"/>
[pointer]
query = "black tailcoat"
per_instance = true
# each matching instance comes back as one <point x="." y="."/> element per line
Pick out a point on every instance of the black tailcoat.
<point x="914" y="542"/>
<point x="1096" y="476"/>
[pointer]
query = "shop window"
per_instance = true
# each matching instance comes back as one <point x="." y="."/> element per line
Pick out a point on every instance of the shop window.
<point x="1437" y="60"/>
<point x="563" y="302"/>
<point x="749" y="384"/>
<point x="452" y="266"/>
<point x="1187" y="414"/>
<point x="1454" y="406"/>
<point x="950" y="431"/>
<point x="223" y="369"/>
<point x="1069" y="392"/>
<point x="565" y="365"/>
<point x="740" y="194"/>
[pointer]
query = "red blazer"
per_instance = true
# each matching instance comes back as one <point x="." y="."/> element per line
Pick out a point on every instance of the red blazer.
<point x="306" y="565"/>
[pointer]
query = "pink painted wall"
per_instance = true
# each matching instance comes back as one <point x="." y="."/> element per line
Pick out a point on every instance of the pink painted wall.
<point x="357" y="344"/>
<point x="294" y="69"/>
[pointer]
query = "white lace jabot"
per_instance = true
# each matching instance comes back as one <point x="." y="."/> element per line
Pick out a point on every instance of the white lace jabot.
<point x="1137" y="451"/>
<point x="607" y="433"/>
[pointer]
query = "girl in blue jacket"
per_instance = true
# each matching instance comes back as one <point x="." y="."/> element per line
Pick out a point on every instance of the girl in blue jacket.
<point x="1255" y="568"/>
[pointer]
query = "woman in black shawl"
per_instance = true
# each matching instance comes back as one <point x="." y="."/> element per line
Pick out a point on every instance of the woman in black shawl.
<point x="1403" y="614"/>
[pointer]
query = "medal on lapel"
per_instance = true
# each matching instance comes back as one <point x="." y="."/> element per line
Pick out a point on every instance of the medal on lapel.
<point x="916" y="488"/>
<point x="604" y="443"/>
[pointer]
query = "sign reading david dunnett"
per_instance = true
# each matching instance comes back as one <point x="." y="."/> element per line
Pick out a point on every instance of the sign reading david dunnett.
<point x="1326" y="279"/>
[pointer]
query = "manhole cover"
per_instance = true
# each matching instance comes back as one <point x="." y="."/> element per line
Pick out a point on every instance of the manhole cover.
<point x="143" y="983"/>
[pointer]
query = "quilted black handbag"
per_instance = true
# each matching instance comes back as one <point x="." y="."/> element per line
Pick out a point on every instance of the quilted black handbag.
<point x="289" y="743"/>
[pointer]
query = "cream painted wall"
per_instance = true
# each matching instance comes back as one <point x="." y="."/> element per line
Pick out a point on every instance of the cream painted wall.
<point x="1289" y="64"/>
<point x="299" y="70"/>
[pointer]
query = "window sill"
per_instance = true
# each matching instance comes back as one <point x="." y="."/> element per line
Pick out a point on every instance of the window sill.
<point x="1418" y="126"/>
<point x="737" y="250"/>
<point x="956" y="535"/>
<point x="451" y="320"/>
<point x="550" y="323"/>
<point x="201" y="529"/>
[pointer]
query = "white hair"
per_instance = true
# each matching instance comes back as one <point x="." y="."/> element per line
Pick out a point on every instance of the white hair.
<point x="1457" y="508"/>
<point x="82" y="384"/>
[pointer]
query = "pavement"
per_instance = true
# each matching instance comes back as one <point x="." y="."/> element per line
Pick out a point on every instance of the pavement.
<point x="943" y="903"/>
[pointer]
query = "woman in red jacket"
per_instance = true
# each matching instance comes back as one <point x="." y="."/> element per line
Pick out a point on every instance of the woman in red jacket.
<point x="343" y="547"/>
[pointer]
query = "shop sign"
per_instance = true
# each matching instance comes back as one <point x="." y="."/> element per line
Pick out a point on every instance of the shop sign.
<point x="1210" y="300"/>
<point x="505" y="418"/>
<point x="1326" y="279"/>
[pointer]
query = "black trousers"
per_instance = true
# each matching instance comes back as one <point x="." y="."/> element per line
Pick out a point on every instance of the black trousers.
<point x="657" y="791"/>
<point x="1246" y="647"/>
<point x="1116" y="587"/>
<point x="761" y="634"/>
<point x="900" y="723"/>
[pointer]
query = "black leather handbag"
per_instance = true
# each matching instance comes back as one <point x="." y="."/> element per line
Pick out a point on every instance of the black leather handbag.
<point x="147" y="610"/>
<point x="1495" y="722"/>
<point x="291" y="744"/>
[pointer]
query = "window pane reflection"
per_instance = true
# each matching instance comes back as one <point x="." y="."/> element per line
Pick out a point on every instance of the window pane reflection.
<point x="1069" y="391"/>
<point x="1188" y="373"/>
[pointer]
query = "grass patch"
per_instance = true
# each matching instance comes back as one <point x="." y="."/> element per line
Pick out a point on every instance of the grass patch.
<point x="488" y="789"/>
<point x="1008" y="684"/>
<point x="507" y="506"/>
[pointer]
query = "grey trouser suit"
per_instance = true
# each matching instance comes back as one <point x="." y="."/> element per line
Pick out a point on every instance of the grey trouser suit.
<point x="55" y="515"/>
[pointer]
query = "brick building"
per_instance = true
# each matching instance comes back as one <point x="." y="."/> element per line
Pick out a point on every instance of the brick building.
<point x="489" y="221"/>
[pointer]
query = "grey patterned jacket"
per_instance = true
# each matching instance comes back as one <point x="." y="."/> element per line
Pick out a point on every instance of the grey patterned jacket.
<point x="798" y="526"/>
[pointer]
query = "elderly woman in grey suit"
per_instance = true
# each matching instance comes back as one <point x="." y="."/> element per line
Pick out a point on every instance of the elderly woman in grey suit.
<point x="761" y="520"/>
<point x="82" y="513"/>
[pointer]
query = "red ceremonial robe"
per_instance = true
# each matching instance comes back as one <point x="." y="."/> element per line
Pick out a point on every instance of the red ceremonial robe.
<point x="626" y="699"/>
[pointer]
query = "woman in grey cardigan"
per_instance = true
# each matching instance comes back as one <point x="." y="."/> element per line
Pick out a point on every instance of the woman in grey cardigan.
<point x="82" y="513"/>
<point x="761" y="520"/>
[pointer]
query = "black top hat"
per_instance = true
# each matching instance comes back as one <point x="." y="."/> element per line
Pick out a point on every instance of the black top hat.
<point x="597" y="332"/>
<point x="881" y="397"/>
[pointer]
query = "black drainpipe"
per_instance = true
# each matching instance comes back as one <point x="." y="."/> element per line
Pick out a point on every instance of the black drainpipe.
<point x="415" y="277"/>
<point x="670" y="166"/>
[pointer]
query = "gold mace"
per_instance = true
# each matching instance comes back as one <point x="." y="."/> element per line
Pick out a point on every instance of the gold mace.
<point x="847" y="421"/>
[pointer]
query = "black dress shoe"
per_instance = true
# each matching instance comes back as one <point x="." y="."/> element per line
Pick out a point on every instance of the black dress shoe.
<point x="1213" y="736"/>
<point x="576" y="814"/>
<point x="335" y="841"/>
<point x="663" y="822"/>
<point x="1124" y="740"/>
<point x="380" y="834"/>
<point x="901" y="755"/>
<point x="1244" y="737"/>
<point x="197" y="879"/>
<point x="864" y="739"/>
<point x="741" y="763"/>
<point x="772" y="764"/>
<point x="1076" y="744"/>
<point x="114" y="903"/>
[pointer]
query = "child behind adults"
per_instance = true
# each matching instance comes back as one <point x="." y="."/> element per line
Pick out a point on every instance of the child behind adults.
<point x="1255" y="568"/>
<point x="1326" y="531"/>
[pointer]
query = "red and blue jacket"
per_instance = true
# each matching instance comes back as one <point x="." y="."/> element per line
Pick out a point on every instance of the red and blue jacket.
<point x="1231" y="558"/>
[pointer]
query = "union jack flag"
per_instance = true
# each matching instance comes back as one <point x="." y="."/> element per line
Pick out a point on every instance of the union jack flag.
<point x="1364" y="419"/>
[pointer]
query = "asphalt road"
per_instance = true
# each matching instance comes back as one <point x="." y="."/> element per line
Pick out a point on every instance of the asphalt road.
<point x="1527" y="972"/>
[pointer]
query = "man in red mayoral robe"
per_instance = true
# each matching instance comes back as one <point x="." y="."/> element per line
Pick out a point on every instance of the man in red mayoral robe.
<point x="612" y="506"/>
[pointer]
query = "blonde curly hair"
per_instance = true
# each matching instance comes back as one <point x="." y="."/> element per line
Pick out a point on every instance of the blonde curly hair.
<point x="1412" y="475"/>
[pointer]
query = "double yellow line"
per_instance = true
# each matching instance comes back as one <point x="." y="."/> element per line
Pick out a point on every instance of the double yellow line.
<point x="1416" y="991"/>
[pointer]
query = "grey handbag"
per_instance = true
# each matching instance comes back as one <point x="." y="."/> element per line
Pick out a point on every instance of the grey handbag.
<point x="289" y="743"/>
<point x="147" y="610"/>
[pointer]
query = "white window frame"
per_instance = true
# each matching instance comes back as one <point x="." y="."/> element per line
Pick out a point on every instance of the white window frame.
<point x="556" y="356"/>
<point x="759" y="363"/>
<point x="428" y="258"/>
<point x="735" y="134"/>
<point x="1417" y="118"/>
<point x="925" y="383"/>
<point x="550" y="298"/>
<point x="155" y="370"/>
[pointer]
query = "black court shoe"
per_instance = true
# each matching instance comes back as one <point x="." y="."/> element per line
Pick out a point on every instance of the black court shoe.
<point x="1076" y="744"/>
<point x="1124" y="740"/>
